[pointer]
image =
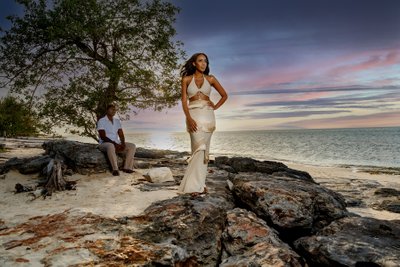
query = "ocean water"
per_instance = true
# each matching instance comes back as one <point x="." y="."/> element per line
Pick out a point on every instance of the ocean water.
<point x="325" y="147"/>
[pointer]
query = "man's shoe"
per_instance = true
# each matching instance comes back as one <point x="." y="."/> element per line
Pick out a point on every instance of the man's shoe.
<point x="128" y="170"/>
<point x="115" y="173"/>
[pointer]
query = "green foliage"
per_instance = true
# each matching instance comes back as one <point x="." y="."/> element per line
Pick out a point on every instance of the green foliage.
<point x="70" y="58"/>
<point x="16" y="119"/>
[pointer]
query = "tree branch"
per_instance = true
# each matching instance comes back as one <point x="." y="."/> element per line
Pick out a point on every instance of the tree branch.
<point x="88" y="51"/>
<point x="36" y="58"/>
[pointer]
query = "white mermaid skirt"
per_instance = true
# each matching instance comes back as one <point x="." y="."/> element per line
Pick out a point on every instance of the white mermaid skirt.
<point x="194" y="179"/>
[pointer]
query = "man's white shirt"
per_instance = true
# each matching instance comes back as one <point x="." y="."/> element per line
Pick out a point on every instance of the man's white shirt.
<point x="111" y="128"/>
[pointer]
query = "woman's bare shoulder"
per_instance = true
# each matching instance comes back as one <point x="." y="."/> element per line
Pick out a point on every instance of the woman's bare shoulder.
<point x="211" y="78"/>
<point x="186" y="79"/>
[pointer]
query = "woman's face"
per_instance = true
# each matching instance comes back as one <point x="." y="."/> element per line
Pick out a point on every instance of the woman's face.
<point x="200" y="63"/>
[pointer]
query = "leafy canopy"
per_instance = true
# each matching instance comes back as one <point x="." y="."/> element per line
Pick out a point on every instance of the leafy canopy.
<point x="68" y="59"/>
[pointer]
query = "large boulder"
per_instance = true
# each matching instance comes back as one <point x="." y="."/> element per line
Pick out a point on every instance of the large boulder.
<point x="391" y="201"/>
<point x="242" y="164"/>
<point x="294" y="207"/>
<point x="81" y="157"/>
<point x="85" y="158"/>
<point x="387" y="192"/>
<point x="35" y="165"/>
<point x="77" y="238"/>
<point x="249" y="241"/>
<point x="353" y="241"/>
<point x="193" y="224"/>
<point x="149" y="153"/>
<point x="26" y="165"/>
<point x="390" y="205"/>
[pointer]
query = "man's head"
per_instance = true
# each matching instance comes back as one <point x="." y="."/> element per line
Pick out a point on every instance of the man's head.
<point x="111" y="110"/>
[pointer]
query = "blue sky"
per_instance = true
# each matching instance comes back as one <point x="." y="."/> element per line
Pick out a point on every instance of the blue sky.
<point x="291" y="64"/>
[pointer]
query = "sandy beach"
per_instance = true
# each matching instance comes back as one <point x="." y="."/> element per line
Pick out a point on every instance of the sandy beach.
<point x="60" y="230"/>
<point x="102" y="194"/>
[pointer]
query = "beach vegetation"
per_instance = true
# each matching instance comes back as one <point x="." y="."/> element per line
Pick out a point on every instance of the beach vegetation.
<point x="69" y="59"/>
<point x="16" y="119"/>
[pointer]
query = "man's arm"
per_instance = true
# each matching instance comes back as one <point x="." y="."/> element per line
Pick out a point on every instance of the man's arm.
<point x="121" y="137"/>
<point x="102" y="134"/>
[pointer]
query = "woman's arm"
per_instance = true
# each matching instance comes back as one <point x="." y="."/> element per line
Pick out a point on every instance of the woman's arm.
<point x="191" y="123"/>
<point x="224" y="96"/>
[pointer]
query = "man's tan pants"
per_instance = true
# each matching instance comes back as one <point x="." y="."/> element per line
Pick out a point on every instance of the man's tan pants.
<point x="129" y="152"/>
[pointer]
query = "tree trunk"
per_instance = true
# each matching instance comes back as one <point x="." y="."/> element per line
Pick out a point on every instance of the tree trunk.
<point x="109" y="95"/>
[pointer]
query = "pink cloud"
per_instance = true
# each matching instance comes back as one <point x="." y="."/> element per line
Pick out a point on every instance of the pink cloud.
<point x="374" y="61"/>
<point x="387" y="82"/>
<point x="310" y="96"/>
<point x="316" y="72"/>
<point x="281" y="76"/>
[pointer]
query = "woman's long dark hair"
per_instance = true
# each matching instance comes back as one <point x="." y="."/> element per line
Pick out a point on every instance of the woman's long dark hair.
<point x="188" y="69"/>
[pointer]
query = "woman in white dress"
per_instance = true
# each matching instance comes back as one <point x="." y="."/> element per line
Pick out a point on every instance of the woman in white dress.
<point x="200" y="119"/>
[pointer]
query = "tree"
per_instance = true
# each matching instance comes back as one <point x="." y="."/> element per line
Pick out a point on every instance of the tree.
<point x="70" y="58"/>
<point x="16" y="119"/>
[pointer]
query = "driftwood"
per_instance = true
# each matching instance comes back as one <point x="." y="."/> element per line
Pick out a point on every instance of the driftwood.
<point x="55" y="179"/>
<point x="54" y="182"/>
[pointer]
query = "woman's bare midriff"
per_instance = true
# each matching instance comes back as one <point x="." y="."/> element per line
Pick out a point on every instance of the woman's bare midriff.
<point x="199" y="96"/>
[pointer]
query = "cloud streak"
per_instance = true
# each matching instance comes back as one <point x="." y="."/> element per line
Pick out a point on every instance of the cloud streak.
<point x="273" y="115"/>
<point x="349" y="88"/>
<point x="375" y="61"/>
<point x="381" y="120"/>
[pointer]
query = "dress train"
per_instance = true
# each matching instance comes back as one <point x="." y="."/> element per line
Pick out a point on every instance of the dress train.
<point x="194" y="179"/>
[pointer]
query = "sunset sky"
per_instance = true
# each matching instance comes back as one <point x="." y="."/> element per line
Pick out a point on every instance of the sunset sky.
<point x="290" y="64"/>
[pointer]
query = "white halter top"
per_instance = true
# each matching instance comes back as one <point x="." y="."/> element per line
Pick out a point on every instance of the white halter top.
<point x="193" y="89"/>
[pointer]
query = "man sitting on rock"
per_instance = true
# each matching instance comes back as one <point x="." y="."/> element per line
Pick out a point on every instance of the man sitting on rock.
<point x="112" y="141"/>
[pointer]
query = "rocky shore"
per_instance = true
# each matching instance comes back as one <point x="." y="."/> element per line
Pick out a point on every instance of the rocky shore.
<point x="257" y="213"/>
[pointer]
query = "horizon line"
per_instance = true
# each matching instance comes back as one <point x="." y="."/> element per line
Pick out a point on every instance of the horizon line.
<point x="274" y="129"/>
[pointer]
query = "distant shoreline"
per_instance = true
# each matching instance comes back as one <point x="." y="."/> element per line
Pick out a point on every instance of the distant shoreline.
<point x="262" y="130"/>
<point x="310" y="129"/>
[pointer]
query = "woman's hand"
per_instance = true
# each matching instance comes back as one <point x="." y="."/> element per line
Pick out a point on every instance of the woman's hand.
<point x="192" y="125"/>
<point x="211" y="104"/>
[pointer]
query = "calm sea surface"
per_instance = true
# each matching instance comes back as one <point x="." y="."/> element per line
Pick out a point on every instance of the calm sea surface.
<point x="361" y="146"/>
<point x="327" y="147"/>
